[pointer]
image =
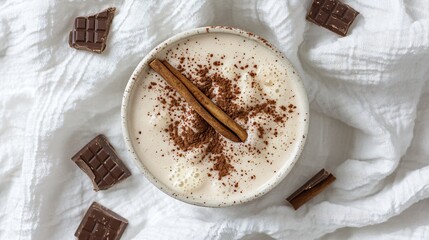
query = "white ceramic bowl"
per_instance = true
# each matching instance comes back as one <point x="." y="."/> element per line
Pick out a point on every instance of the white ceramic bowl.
<point x="144" y="65"/>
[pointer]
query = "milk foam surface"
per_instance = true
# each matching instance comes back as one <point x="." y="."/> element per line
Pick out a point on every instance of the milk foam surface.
<point x="189" y="173"/>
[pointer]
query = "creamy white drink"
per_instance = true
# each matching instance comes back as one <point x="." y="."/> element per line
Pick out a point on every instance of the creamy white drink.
<point x="252" y="84"/>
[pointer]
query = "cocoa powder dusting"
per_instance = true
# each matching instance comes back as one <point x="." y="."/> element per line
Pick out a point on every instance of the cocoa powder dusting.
<point x="189" y="131"/>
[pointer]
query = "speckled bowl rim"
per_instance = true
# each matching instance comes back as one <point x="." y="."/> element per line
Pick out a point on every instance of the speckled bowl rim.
<point x="144" y="63"/>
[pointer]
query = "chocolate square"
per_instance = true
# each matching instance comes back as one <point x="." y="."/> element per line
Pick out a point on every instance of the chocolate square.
<point x="91" y="23"/>
<point x="90" y="33"/>
<point x="328" y="5"/>
<point x="99" y="37"/>
<point x="109" y="164"/>
<point x="332" y="15"/>
<point x="100" y="24"/>
<point x="100" y="222"/>
<point x="80" y="23"/>
<point x="322" y="16"/>
<point x="80" y="36"/>
<point x="339" y="10"/>
<point x="90" y="36"/>
<point x="100" y="162"/>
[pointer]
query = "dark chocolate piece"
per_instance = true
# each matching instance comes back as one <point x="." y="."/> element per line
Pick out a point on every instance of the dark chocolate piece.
<point x="311" y="188"/>
<point x="90" y="33"/>
<point x="332" y="15"/>
<point x="101" y="223"/>
<point x="99" y="161"/>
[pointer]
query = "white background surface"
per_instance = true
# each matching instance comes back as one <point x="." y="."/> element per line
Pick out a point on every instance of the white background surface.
<point x="368" y="94"/>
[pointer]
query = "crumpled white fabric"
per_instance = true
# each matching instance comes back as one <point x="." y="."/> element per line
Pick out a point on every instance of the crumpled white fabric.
<point x="368" y="95"/>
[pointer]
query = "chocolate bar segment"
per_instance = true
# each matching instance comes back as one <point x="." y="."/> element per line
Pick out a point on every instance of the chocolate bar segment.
<point x="90" y="33"/>
<point x="100" y="162"/>
<point x="332" y="15"/>
<point x="311" y="188"/>
<point x="101" y="223"/>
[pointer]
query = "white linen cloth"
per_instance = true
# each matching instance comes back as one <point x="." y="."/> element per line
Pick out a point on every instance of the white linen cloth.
<point x="368" y="94"/>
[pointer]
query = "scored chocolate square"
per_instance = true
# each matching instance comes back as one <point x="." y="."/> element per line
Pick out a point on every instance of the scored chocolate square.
<point x="100" y="222"/>
<point x="90" y="33"/>
<point x="100" y="162"/>
<point x="332" y="15"/>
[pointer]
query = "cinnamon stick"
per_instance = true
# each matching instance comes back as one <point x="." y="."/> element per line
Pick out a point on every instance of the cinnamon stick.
<point x="311" y="188"/>
<point x="218" y="113"/>
<point x="162" y="70"/>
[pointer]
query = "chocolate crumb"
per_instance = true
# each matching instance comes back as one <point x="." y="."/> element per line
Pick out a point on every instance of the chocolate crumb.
<point x="260" y="132"/>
